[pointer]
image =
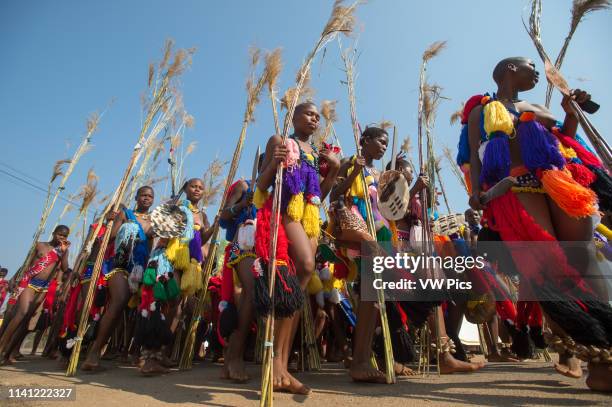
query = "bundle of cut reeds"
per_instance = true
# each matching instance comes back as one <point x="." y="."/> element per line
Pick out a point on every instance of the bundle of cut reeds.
<point x="349" y="61"/>
<point x="580" y="8"/>
<point x="342" y="20"/>
<point x="58" y="170"/>
<point x="600" y="144"/>
<point x="426" y="160"/>
<point x="157" y="112"/>
<point x="254" y="87"/>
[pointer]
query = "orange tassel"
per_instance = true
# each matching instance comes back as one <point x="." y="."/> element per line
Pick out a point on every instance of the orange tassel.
<point x="575" y="200"/>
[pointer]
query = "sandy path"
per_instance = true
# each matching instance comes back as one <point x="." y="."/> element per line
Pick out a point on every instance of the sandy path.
<point x="531" y="383"/>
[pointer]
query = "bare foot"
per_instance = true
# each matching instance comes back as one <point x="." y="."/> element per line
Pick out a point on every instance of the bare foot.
<point x="92" y="368"/>
<point x="449" y="365"/>
<point x="364" y="372"/>
<point x="152" y="367"/>
<point x="600" y="377"/>
<point x="167" y="362"/>
<point x="403" y="370"/>
<point x="235" y="370"/>
<point x="569" y="366"/>
<point x="496" y="357"/>
<point x="284" y="382"/>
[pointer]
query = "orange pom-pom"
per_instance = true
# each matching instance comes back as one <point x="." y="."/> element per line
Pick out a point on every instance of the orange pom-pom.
<point x="485" y="100"/>
<point x="575" y="200"/>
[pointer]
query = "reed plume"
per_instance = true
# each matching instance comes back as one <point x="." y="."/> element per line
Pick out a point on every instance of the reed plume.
<point x="580" y="9"/>
<point x="157" y="112"/>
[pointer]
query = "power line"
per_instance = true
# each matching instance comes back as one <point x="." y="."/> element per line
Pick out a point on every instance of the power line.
<point x="23" y="174"/>
<point x="38" y="188"/>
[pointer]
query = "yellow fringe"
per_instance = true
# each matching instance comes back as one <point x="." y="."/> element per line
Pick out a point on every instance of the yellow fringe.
<point x="603" y="229"/>
<point x="314" y="285"/>
<point x="189" y="278"/>
<point x="108" y="276"/>
<point x="310" y="221"/>
<point x="197" y="272"/>
<point x="497" y="118"/>
<point x="295" y="209"/>
<point x="575" y="200"/>
<point x="260" y="197"/>
<point x="178" y="254"/>
<point x="528" y="189"/>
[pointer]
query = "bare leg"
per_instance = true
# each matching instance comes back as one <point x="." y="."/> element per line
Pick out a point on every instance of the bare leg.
<point x="234" y="360"/>
<point x="448" y="364"/>
<point x="37" y="338"/>
<point x="361" y="370"/>
<point x="119" y="296"/>
<point x="302" y="253"/>
<point x="23" y="308"/>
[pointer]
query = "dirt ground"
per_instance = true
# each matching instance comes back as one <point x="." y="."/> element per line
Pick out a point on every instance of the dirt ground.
<point x="515" y="384"/>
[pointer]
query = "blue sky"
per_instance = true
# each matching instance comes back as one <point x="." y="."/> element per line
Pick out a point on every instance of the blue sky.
<point x="63" y="60"/>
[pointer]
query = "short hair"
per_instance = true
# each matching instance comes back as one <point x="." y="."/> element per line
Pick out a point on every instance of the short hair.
<point x="61" y="228"/>
<point x="502" y="67"/>
<point x="399" y="162"/>
<point x="189" y="181"/>
<point x="371" y="133"/>
<point x="302" y="106"/>
<point x="3" y="270"/>
<point x="142" y="188"/>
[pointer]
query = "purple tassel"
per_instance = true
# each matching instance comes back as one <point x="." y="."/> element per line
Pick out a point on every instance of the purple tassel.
<point x="312" y="181"/>
<point x="496" y="160"/>
<point x="539" y="148"/>
<point x="293" y="184"/>
<point x="195" y="247"/>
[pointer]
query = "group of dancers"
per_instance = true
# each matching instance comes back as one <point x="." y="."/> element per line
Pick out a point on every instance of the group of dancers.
<point x="530" y="178"/>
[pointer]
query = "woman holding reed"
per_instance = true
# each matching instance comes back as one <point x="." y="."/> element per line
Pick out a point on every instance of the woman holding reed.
<point x="552" y="201"/>
<point x="304" y="187"/>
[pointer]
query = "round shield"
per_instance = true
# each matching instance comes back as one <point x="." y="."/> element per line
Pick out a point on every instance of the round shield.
<point x="481" y="309"/>
<point x="168" y="221"/>
<point x="394" y="195"/>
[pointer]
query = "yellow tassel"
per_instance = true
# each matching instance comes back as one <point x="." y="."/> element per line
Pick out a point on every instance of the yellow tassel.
<point x="295" y="209"/>
<point x="575" y="200"/>
<point x="260" y="197"/>
<point x="178" y="254"/>
<point x="188" y="282"/>
<point x="197" y="273"/>
<point x="567" y="152"/>
<point x="314" y="285"/>
<point x="603" y="229"/>
<point x="497" y="118"/>
<point x="310" y="221"/>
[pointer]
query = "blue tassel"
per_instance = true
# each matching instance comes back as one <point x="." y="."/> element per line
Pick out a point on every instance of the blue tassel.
<point x="539" y="148"/>
<point x="463" y="148"/>
<point x="496" y="160"/>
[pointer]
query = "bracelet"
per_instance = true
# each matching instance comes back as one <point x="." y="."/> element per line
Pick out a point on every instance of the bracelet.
<point x="232" y="209"/>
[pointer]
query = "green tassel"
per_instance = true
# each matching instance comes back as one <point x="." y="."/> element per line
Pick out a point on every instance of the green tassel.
<point x="159" y="292"/>
<point x="172" y="289"/>
<point x="150" y="276"/>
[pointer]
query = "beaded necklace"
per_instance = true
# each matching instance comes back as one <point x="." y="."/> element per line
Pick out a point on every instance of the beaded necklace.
<point x="310" y="159"/>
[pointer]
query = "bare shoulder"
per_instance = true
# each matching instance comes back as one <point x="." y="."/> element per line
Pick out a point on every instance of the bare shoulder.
<point x="475" y="114"/>
<point x="274" y="140"/>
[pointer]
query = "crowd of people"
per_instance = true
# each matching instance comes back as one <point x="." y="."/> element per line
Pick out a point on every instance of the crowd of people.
<point x="531" y="178"/>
